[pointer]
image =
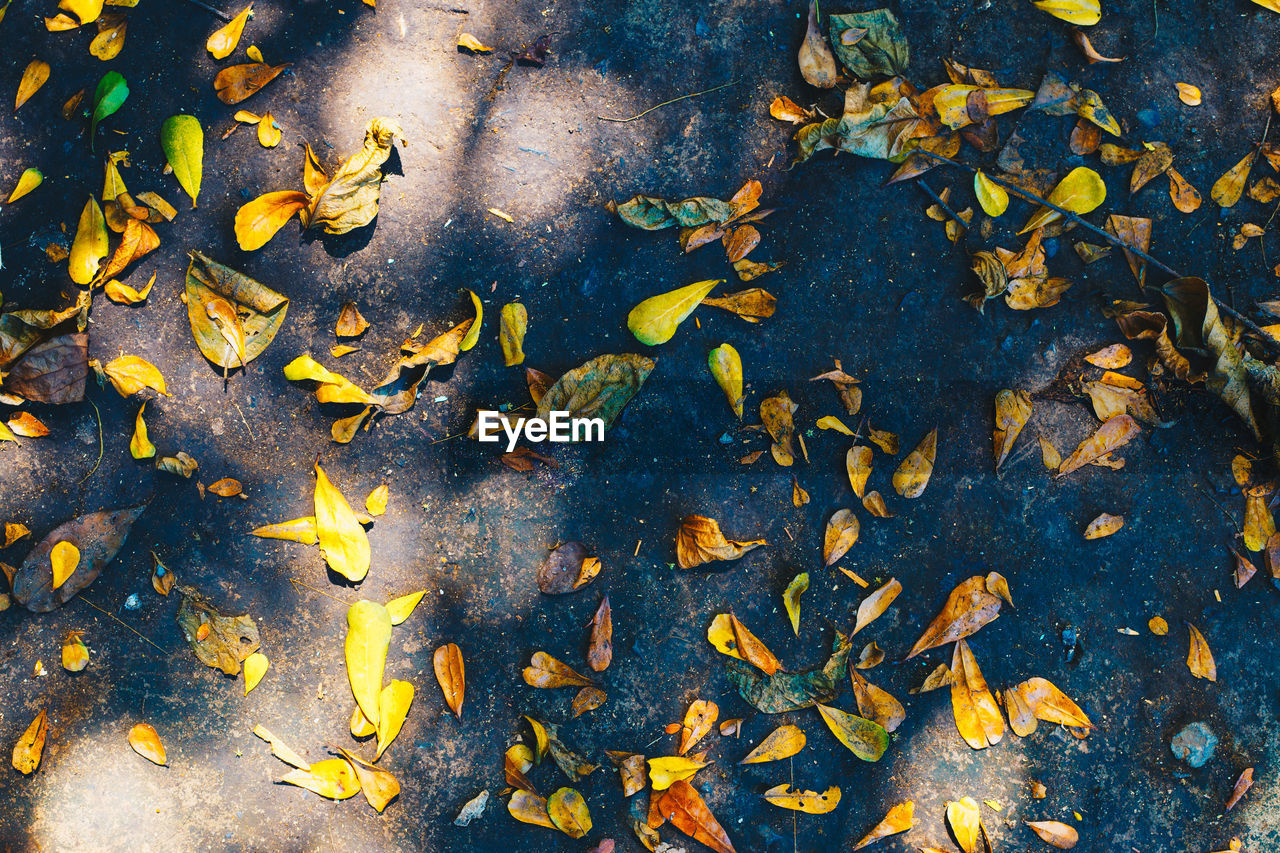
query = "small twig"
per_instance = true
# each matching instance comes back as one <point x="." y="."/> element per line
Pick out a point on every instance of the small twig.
<point x="297" y="583"/>
<point x="1112" y="239"/>
<point x="99" y="462"/>
<point x="942" y="204"/>
<point x="1223" y="509"/>
<point x="221" y="15"/>
<point x="121" y="621"/>
<point x="665" y="103"/>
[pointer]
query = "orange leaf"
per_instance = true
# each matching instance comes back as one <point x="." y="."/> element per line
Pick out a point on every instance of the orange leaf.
<point x="698" y="720"/>
<point x="976" y="712"/>
<point x="1199" y="658"/>
<point x="969" y="606"/>
<point x="600" y="647"/>
<point x="899" y="819"/>
<point x="683" y="806"/>
<point x="1113" y="434"/>
<point x="259" y="220"/>
<point x="237" y="82"/>
<point x="146" y="742"/>
<point x="451" y="674"/>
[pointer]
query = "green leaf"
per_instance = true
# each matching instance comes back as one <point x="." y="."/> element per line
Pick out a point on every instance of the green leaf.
<point x="654" y="214"/>
<point x="261" y="310"/>
<point x="600" y="388"/>
<point x="865" y="739"/>
<point x="791" y="599"/>
<point x="792" y="691"/>
<point x="726" y="367"/>
<point x="655" y="320"/>
<point x="368" y="638"/>
<point x="880" y="51"/>
<point x="183" y="142"/>
<point x="107" y="98"/>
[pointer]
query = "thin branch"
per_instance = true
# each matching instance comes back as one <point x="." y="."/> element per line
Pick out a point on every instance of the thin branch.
<point x="942" y="204"/>
<point x="221" y="15"/>
<point x="665" y="103"/>
<point x="121" y="621"/>
<point x="100" y="448"/>
<point x="1265" y="340"/>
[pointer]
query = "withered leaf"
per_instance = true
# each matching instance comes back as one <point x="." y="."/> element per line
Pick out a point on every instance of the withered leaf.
<point x="699" y="541"/>
<point x="899" y="819"/>
<point x="752" y="305"/>
<point x="546" y="671"/>
<point x="876" y="704"/>
<point x="866" y="739"/>
<point x="1112" y="435"/>
<point x="792" y="691"/>
<point x="451" y="674"/>
<point x="145" y="741"/>
<point x="350" y="199"/>
<point x="30" y="747"/>
<point x="98" y="537"/>
<point x="683" y="806"/>
<point x="782" y="742"/>
<point x="841" y="534"/>
<point x="1013" y="409"/>
<point x="600" y="646"/>
<point x="1242" y="786"/>
<point x="1055" y="833"/>
<point x="587" y="699"/>
<point x="235" y="83"/>
<point x="260" y="311"/>
<point x="976" y="712"/>
<point x="874" y="605"/>
<point x="810" y="802"/>
<point x="776" y="413"/>
<point x="1200" y="658"/>
<point x="698" y="720"/>
<point x="968" y="608"/>
<point x="568" y="568"/>
<point x="1046" y="702"/>
<point x="225" y="642"/>
<point x="731" y="637"/>
<point x="600" y="388"/>
<point x="857" y="463"/>
<point x="911" y="477"/>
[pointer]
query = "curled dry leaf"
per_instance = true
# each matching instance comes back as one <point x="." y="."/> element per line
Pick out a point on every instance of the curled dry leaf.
<point x="846" y="387"/>
<point x="791" y="598"/>
<point x="351" y="323"/>
<point x="842" y="533"/>
<point x="1200" y="658"/>
<point x="976" y="712"/>
<point x="913" y="474"/>
<point x="698" y="720"/>
<point x="1104" y="525"/>
<point x="1055" y="833"/>
<point x="600" y="645"/>
<point x="545" y="671"/>
<point x="567" y="568"/>
<point x="631" y="770"/>
<point x="1111" y="436"/>
<point x="1046" y="702"/>
<point x="817" y="62"/>
<point x="730" y="637"/>
<point x="332" y="778"/>
<point x="1013" y="410"/>
<point x="782" y="742"/>
<point x="378" y="786"/>
<point x="30" y="747"/>
<point x="870" y="657"/>
<point x="700" y="541"/>
<point x="451" y="673"/>
<point x="874" y="605"/>
<point x="145" y="741"/>
<point x="810" y="802"/>
<point x="857" y="463"/>
<point x="776" y="414"/>
<point x="587" y="699"/>
<point x="1242" y="786"/>
<point x="726" y="367"/>
<point x="899" y="819"/>
<point x="969" y="607"/>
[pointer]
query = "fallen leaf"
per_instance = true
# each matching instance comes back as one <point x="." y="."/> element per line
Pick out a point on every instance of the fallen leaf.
<point x="35" y="75"/>
<point x="1046" y="702"/>
<point x="29" y="748"/>
<point x="451" y="674"/>
<point x="876" y="704"/>
<point x="600" y="645"/>
<point x="545" y="671"/>
<point x="255" y="667"/>
<point x="1199" y="658"/>
<point x="368" y="638"/>
<point x="568" y="812"/>
<point x="782" y="742"/>
<point x="140" y="446"/>
<point x="350" y="322"/>
<point x="14" y="531"/>
<point x="965" y="820"/>
<point x="1242" y="786"/>
<point x="65" y="559"/>
<point x="332" y="778"/>
<point x="350" y="199"/>
<point x="235" y="83"/>
<point x="599" y="388"/>
<point x="473" y="44"/>
<point x="182" y="140"/>
<point x="224" y="40"/>
<point x="730" y="637"/>
<point x="219" y="641"/>
<point x="799" y="497"/>
<point x="655" y="320"/>
<point x="378" y="786"/>
<point x="900" y="818"/>
<point x="841" y="534"/>
<point x="991" y="196"/>
<point x="698" y="720"/>
<point x="394" y="701"/>
<point x="1055" y="833"/>
<point x="865" y="739"/>
<point x="776" y="413"/>
<point x="109" y="96"/>
<point x="870" y="44"/>
<point x="1013" y="410"/>
<point x="1104" y="525"/>
<point x="976" y="712"/>
<point x="874" y="605"/>
<point x="587" y="699"/>
<point x="684" y="808"/>
<point x="968" y="608"/>
<point x="145" y="741"/>
<point x="280" y="750"/>
<point x="27" y="181"/>
<point x="1112" y="435"/>
<point x="846" y="387"/>
<point x="528" y="807"/>
<point x="791" y="599"/>
<point x="90" y="244"/>
<point x="342" y="539"/>
<point x="257" y="221"/>
<point x="810" y="802"/>
<point x="817" y="62"/>
<point x="700" y="541"/>
<point x="567" y="568"/>
<point x="911" y="477"/>
<point x="792" y="691"/>
<point x="123" y="294"/>
<point x="97" y="537"/>
<point x="1080" y="192"/>
<point x="1227" y="189"/>
<point x="1188" y="94"/>
<point x="666" y="771"/>
<point x="1082" y="13"/>
<point x="726" y="367"/>
<point x="258" y="311"/>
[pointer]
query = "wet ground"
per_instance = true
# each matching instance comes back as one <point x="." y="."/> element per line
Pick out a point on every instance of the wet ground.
<point x="869" y="279"/>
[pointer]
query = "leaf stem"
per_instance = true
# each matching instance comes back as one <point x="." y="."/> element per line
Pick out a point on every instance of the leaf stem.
<point x="121" y="621"/>
<point x="665" y="103"/>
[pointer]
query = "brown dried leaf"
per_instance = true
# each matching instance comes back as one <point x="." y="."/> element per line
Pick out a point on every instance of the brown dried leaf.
<point x="913" y="474"/>
<point x="841" y="534"/>
<point x="968" y="608"/>
<point x="875" y="604"/>
<point x="1013" y="409"/>
<point x="567" y="568"/>
<point x="545" y="671"/>
<point x="600" y="646"/>
<point x="683" y="806"/>
<point x="1055" y="833"/>
<point x="1200" y="658"/>
<point x="1242" y="786"/>
<point x="1112" y="435"/>
<point x="451" y="673"/>
<point x="899" y="819"/>
<point x="699" y="541"/>
<point x="98" y="537"/>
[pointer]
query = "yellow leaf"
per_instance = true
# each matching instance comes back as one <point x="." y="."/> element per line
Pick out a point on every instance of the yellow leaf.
<point x="223" y="42"/>
<point x="810" y="802"/>
<point x="665" y="771"/>
<point x="965" y="819"/>
<point x="876" y="704"/>
<point x="1055" y="833"/>
<point x="360" y="727"/>
<point x="1199" y="658"/>
<point x="698" y="720"/>
<point x="378" y="786"/>
<point x="1104" y="525"/>
<point x="130" y="374"/>
<point x="1046" y="702"/>
<point x="951" y="102"/>
<point x="29" y="748"/>
<point x="146" y="742"/>
<point x="1082" y="13"/>
<point x="255" y="666"/>
<point x="75" y="654"/>
<point x="393" y="707"/>
<point x="1013" y="409"/>
<point x="528" y="807"/>
<point x="109" y="41"/>
<point x="568" y="812"/>
<point x="297" y="530"/>
<point x="1227" y="189"/>
<point x="368" y="638"/>
<point x="280" y="750"/>
<point x="90" y="244"/>
<point x="140" y="445"/>
<point x="874" y="605"/>
<point x="33" y="77"/>
<point x="548" y="672"/>
<point x="65" y="559"/>
<point x="502" y="214"/>
<point x="473" y="44"/>
<point x="87" y="11"/>
<point x="1188" y="94"/>
<point x="401" y="608"/>
<point x="655" y="320"/>
<point x="726" y="368"/>
<point x="513" y="322"/>
<point x="333" y="779"/>
<point x="857" y="463"/>
<point x="126" y="295"/>
<point x="841" y="534"/>
<point x="6" y="434"/>
<point x="832" y="422"/>
<point x="376" y="502"/>
<point x="1112" y="435"/>
<point x="913" y="474"/>
<point x="791" y="598"/>
<point x="269" y="133"/>
<point x="259" y="220"/>
<point x="473" y="333"/>
<point x="342" y="539"/>
<point x="700" y="540"/>
<point x="28" y="181"/>
<point x="1081" y="191"/>
<point x="899" y="819"/>
<point x="13" y="532"/>
<point x="991" y="196"/>
<point x="782" y="742"/>
<point x="730" y="637"/>
<point x="976" y="713"/>
<point x="452" y="675"/>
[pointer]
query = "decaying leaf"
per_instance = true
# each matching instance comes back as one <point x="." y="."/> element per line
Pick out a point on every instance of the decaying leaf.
<point x="1104" y="525"/>
<point x="792" y="691"/>
<point x="899" y="819"/>
<point x="700" y="541"/>
<point x="1112" y="435"/>
<point x="587" y="699"/>
<point x="810" y="802"/>
<point x="776" y="414"/>
<point x="976" y="712"/>
<point x="969" y="607"/>
<point x="874" y="605"/>
<point x="600" y="388"/>
<point x="1200" y="658"/>
<point x="791" y="599"/>
<point x="545" y="671"/>
<point x="30" y="747"/>
<point x="911" y="477"/>
<point x="730" y="637"/>
<point x="96" y="538"/>
<point x="219" y="641"/>
<point x="870" y="44"/>
<point x="684" y="808"/>
<point x="632" y="771"/>
<point x="876" y="704"/>
<point x="1055" y="833"/>
<point x="698" y="720"/>
<point x="1013" y="410"/>
<point x="145" y="741"/>
<point x="1227" y="189"/>
<point x="865" y="739"/>
<point x="235" y="83"/>
<point x="451" y="674"/>
<point x="817" y="62"/>
<point x="257" y="312"/>
<point x="1242" y="786"/>
<point x="567" y="568"/>
<point x="846" y="386"/>
<point x="600" y="646"/>
<point x="513" y="323"/>
<point x="841" y="534"/>
<point x="726" y="368"/>
<point x="568" y="812"/>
